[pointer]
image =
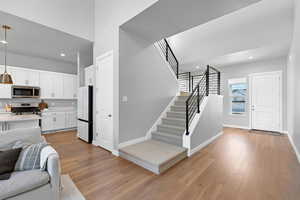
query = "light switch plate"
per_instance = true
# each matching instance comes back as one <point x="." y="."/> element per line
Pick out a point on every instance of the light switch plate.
<point x="124" y="99"/>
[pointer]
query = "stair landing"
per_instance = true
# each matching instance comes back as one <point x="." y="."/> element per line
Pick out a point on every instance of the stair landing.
<point x="154" y="155"/>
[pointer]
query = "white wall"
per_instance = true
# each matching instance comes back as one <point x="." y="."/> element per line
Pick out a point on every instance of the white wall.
<point x="293" y="71"/>
<point x="147" y="81"/>
<point x="109" y="15"/>
<point x="210" y="122"/>
<point x="38" y="63"/>
<point x="242" y="71"/>
<point x="75" y="17"/>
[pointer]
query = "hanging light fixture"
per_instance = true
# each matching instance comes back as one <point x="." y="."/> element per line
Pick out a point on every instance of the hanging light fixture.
<point x="5" y="78"/>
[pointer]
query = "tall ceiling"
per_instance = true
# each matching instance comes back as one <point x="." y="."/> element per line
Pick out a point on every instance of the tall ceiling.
<point x="260" y="31"/>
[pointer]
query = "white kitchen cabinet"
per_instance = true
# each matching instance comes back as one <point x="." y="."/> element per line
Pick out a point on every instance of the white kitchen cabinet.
<point x="70" y="86"/>
<point x="89" y="75"/>
<point x="51" y="85"/>
<point x="47" y="121"/>
<point x="5" y="91"/>
<point x="71" y="119"/>
<point x="24" y="77"/>
<point x="59" y="120"/>
<point x="58" y="91"/>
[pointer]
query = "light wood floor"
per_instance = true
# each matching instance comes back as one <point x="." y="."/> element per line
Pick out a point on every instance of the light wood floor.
<point x="240" y="165"/>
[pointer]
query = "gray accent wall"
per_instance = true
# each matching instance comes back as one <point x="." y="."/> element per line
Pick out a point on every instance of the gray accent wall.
<point x="243" y="71"/>
<point x="147" y="81"/>
<point x="210" y="122"/>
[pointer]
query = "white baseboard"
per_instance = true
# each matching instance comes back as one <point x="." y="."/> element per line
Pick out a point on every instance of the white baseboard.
<point x="204" y="144"/>
<point x="115" y="152"/>
<point x="131" y="142"/>
<point x="236" y="126"/>
<point x="294" y="147"/>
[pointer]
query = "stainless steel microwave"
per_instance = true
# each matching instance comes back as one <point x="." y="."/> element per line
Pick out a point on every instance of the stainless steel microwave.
<point x="25" y="92"/>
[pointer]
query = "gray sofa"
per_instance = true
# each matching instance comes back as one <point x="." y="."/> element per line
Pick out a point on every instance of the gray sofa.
<point x="33" y="184"/>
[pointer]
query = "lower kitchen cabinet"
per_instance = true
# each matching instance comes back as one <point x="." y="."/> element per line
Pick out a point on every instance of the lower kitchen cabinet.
<point x="52" y="121"/>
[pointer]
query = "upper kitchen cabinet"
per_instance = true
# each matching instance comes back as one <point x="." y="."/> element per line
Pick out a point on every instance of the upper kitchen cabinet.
<point x="70" y="86"/>
<point x="51" y="85"/>
<point x="24" y="77"/>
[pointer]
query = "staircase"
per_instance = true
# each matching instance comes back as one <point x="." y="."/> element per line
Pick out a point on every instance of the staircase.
<point x="165" y="148"/>
<point x="172" y="126"/>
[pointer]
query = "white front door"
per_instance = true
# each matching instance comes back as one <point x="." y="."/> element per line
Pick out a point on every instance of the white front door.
<point x="104" y="101"/>
<point x="266" y="101"/>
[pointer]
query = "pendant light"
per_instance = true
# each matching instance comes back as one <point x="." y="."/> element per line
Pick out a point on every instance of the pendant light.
<point x="5" y="78"/>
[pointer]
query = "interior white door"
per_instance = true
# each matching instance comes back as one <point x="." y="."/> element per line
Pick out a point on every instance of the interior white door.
<point x="104" y="101"/>
<point x="266" y="100"/>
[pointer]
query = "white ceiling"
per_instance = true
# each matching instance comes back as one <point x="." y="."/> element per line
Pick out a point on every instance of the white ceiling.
<point x="262" y="30"/>
<point x="168" y="17"/>
<point x="31" y="39"/>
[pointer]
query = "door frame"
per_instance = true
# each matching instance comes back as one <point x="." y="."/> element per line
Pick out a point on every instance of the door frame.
<point x="97" y="142"/>
<point x="280" y="97"/>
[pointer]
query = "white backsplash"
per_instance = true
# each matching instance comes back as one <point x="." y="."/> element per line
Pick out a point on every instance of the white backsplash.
<point x="52" y="104"/>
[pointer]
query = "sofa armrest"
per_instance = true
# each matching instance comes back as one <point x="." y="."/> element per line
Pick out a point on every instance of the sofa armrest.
<point x="54" y="171"/>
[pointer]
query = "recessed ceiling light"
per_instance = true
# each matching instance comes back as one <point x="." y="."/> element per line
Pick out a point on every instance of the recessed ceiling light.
<point x="250" y="57"/>
<point x="62" y="54"/>
<point x="4" y="42"/>
<point x="197" y="67"/>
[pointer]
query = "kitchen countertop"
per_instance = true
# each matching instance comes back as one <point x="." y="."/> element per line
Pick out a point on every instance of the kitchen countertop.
<point x="63" y="109"/>
<point x="16" y="118"/>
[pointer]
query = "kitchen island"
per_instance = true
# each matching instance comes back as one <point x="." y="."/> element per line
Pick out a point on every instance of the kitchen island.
<point x="11" y="121"/>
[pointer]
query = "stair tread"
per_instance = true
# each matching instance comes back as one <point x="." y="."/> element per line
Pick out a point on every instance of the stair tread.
<point x="172" y="126"/>
<point x="153" y="151"/>
<point x="167" y="134"/>
<point x="176" y="112"/>
<point x="174" y="118"/>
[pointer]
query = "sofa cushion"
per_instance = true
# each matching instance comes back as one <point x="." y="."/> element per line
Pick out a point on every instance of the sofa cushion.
<point x="23" y="181"/>
<point x="8" y="161"/>
<point x="30" y="135"/>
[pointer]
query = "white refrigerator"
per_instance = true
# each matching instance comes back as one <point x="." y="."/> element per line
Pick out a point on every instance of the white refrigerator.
<point x="85" y="113"/>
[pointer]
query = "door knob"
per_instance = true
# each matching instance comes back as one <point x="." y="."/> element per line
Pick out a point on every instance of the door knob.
<point x="109" y="115"/>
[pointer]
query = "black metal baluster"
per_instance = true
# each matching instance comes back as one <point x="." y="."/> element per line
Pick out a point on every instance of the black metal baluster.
<point x="219" y="83"/>
<point x="198" y="98"/>
<point x="207" y="80"/>
<point x="187" y="117"/>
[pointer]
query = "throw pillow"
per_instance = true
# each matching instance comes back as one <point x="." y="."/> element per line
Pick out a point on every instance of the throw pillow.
<point x="8" y="161"/>
<point x="30" y="155"/>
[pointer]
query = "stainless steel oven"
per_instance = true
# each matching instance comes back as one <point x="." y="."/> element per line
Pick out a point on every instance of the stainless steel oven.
<point x="25" y="92"/>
